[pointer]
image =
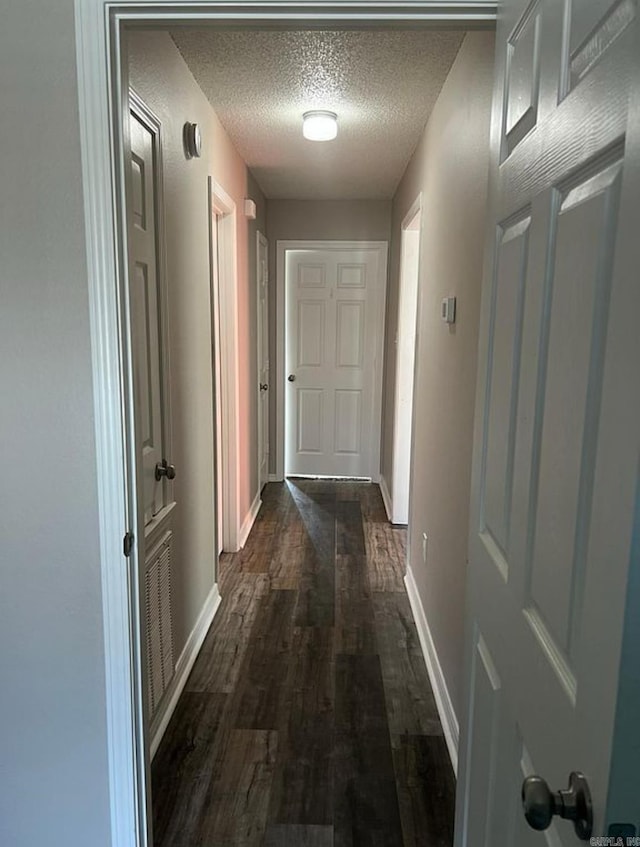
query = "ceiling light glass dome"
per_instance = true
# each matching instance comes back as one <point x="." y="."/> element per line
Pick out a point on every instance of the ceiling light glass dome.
<point x="319" y="125"/>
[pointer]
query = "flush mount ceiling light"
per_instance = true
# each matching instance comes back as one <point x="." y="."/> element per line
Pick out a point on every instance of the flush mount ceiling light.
<point x="319" y="125"/>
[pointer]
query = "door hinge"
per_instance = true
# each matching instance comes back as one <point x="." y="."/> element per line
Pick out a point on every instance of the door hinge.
<point x="127" y="543"/>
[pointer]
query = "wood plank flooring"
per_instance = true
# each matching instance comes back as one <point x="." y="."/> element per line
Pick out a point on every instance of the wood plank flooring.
<point x="308" y="719"/>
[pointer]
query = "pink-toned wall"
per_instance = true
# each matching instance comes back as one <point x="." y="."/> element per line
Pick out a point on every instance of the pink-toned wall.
<point x="160" y="76"/>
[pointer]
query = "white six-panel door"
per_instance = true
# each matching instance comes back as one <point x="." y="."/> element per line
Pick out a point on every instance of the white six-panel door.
<point x="149" y="339"/>
<point x="557" y="425"/>
<point x="145" y="311"/>
<point x="334" y="331"/>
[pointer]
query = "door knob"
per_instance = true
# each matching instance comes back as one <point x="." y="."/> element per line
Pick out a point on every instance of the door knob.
<point x="163" y="468"/>
<point x="264" y="386"/>
<point x="291" y="377"/>
<point x="540" y="804"/>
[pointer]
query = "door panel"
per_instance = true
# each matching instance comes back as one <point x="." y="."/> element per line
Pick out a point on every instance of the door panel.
<point x="348" y="421"/>
<point x="310" y="420"/>
<point x="545" y="551"/>
<point x="350" y="334"/>
<point x="579" y="305"/>
<point x="507" y="310"/>
<point x="592" y="33"/>
<point x="311" y="334"/>
<point x="334" y="301"/>
<point x="522" y="79"/>
<point x="485" y="725"/>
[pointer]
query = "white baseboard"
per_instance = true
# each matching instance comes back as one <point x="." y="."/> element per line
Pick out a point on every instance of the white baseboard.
<point x="438" y="683"/>
<point x="274" y="477"/>
<point x="248" y="522"/>
<point x="386" y="498"/>
<point x="183" y="668"/>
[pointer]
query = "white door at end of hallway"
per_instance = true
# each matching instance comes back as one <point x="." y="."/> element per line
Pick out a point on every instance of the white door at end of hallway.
<point x="557" y="426"/>
<point x="333" y="360"/>
<point x="262" y="343"/>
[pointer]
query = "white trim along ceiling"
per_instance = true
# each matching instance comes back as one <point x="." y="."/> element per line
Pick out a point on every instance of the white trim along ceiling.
<point x="102" y="96"/>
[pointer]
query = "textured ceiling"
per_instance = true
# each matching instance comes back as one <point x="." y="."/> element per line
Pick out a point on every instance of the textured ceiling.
<point x="382" y="84"/>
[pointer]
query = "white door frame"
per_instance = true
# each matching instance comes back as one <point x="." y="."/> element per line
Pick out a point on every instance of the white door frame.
<point x="261" y="241"/>
<point x="222" y="216"/>
<point x="102" y="82"/>
<point x="402" y="476"/>
<point x="281" y="250"/>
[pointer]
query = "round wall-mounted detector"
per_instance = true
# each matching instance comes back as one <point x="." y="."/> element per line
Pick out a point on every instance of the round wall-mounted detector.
<point x="192" y="140"/>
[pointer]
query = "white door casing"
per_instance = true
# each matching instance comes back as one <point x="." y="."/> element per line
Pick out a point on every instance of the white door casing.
<point x="405" y="363"/>
<point x="334" y="329"/>
<point x="224" y="298"/>
<point x="216" y="357"/>
<point x="262" y="344"/>
<point x="557" y="422"/>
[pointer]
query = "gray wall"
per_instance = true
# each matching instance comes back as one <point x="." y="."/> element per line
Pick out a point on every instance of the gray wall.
<point x="450" y="168"/>
<point x="317" y="220"/>
<point x="53" y="750"/>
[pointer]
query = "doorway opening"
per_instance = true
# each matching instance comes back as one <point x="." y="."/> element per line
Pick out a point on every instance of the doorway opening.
<point x="331" y="297"/>
<point x="129" y="809"/>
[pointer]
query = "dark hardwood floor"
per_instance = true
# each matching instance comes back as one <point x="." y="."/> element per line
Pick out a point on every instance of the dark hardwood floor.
<point x="308" y="719"/>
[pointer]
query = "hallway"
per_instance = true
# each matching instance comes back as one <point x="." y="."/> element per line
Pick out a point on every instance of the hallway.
<point x="308" y="718"/>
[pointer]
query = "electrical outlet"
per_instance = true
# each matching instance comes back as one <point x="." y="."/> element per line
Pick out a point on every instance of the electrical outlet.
<point x="425" y="542"/>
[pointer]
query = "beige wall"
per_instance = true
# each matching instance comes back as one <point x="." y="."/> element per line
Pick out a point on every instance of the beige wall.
<point x="450" y="168"/>
<point x="160" y="76"/>
<point x="316" y="220"/>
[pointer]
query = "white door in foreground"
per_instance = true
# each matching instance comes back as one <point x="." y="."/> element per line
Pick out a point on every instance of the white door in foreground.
<point x="557" y="424"/>
<point x="333" y="359"/>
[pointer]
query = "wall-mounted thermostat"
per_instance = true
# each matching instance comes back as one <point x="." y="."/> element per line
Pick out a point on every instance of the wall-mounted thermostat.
<point x="449" y="310"/>
<point x="250" y="210"/>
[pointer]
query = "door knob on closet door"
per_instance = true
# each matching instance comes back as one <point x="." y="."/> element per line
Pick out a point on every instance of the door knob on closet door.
<point x="163" y="468"/>
<point x="540" y="804"/>
<point x="291" y="377"/>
